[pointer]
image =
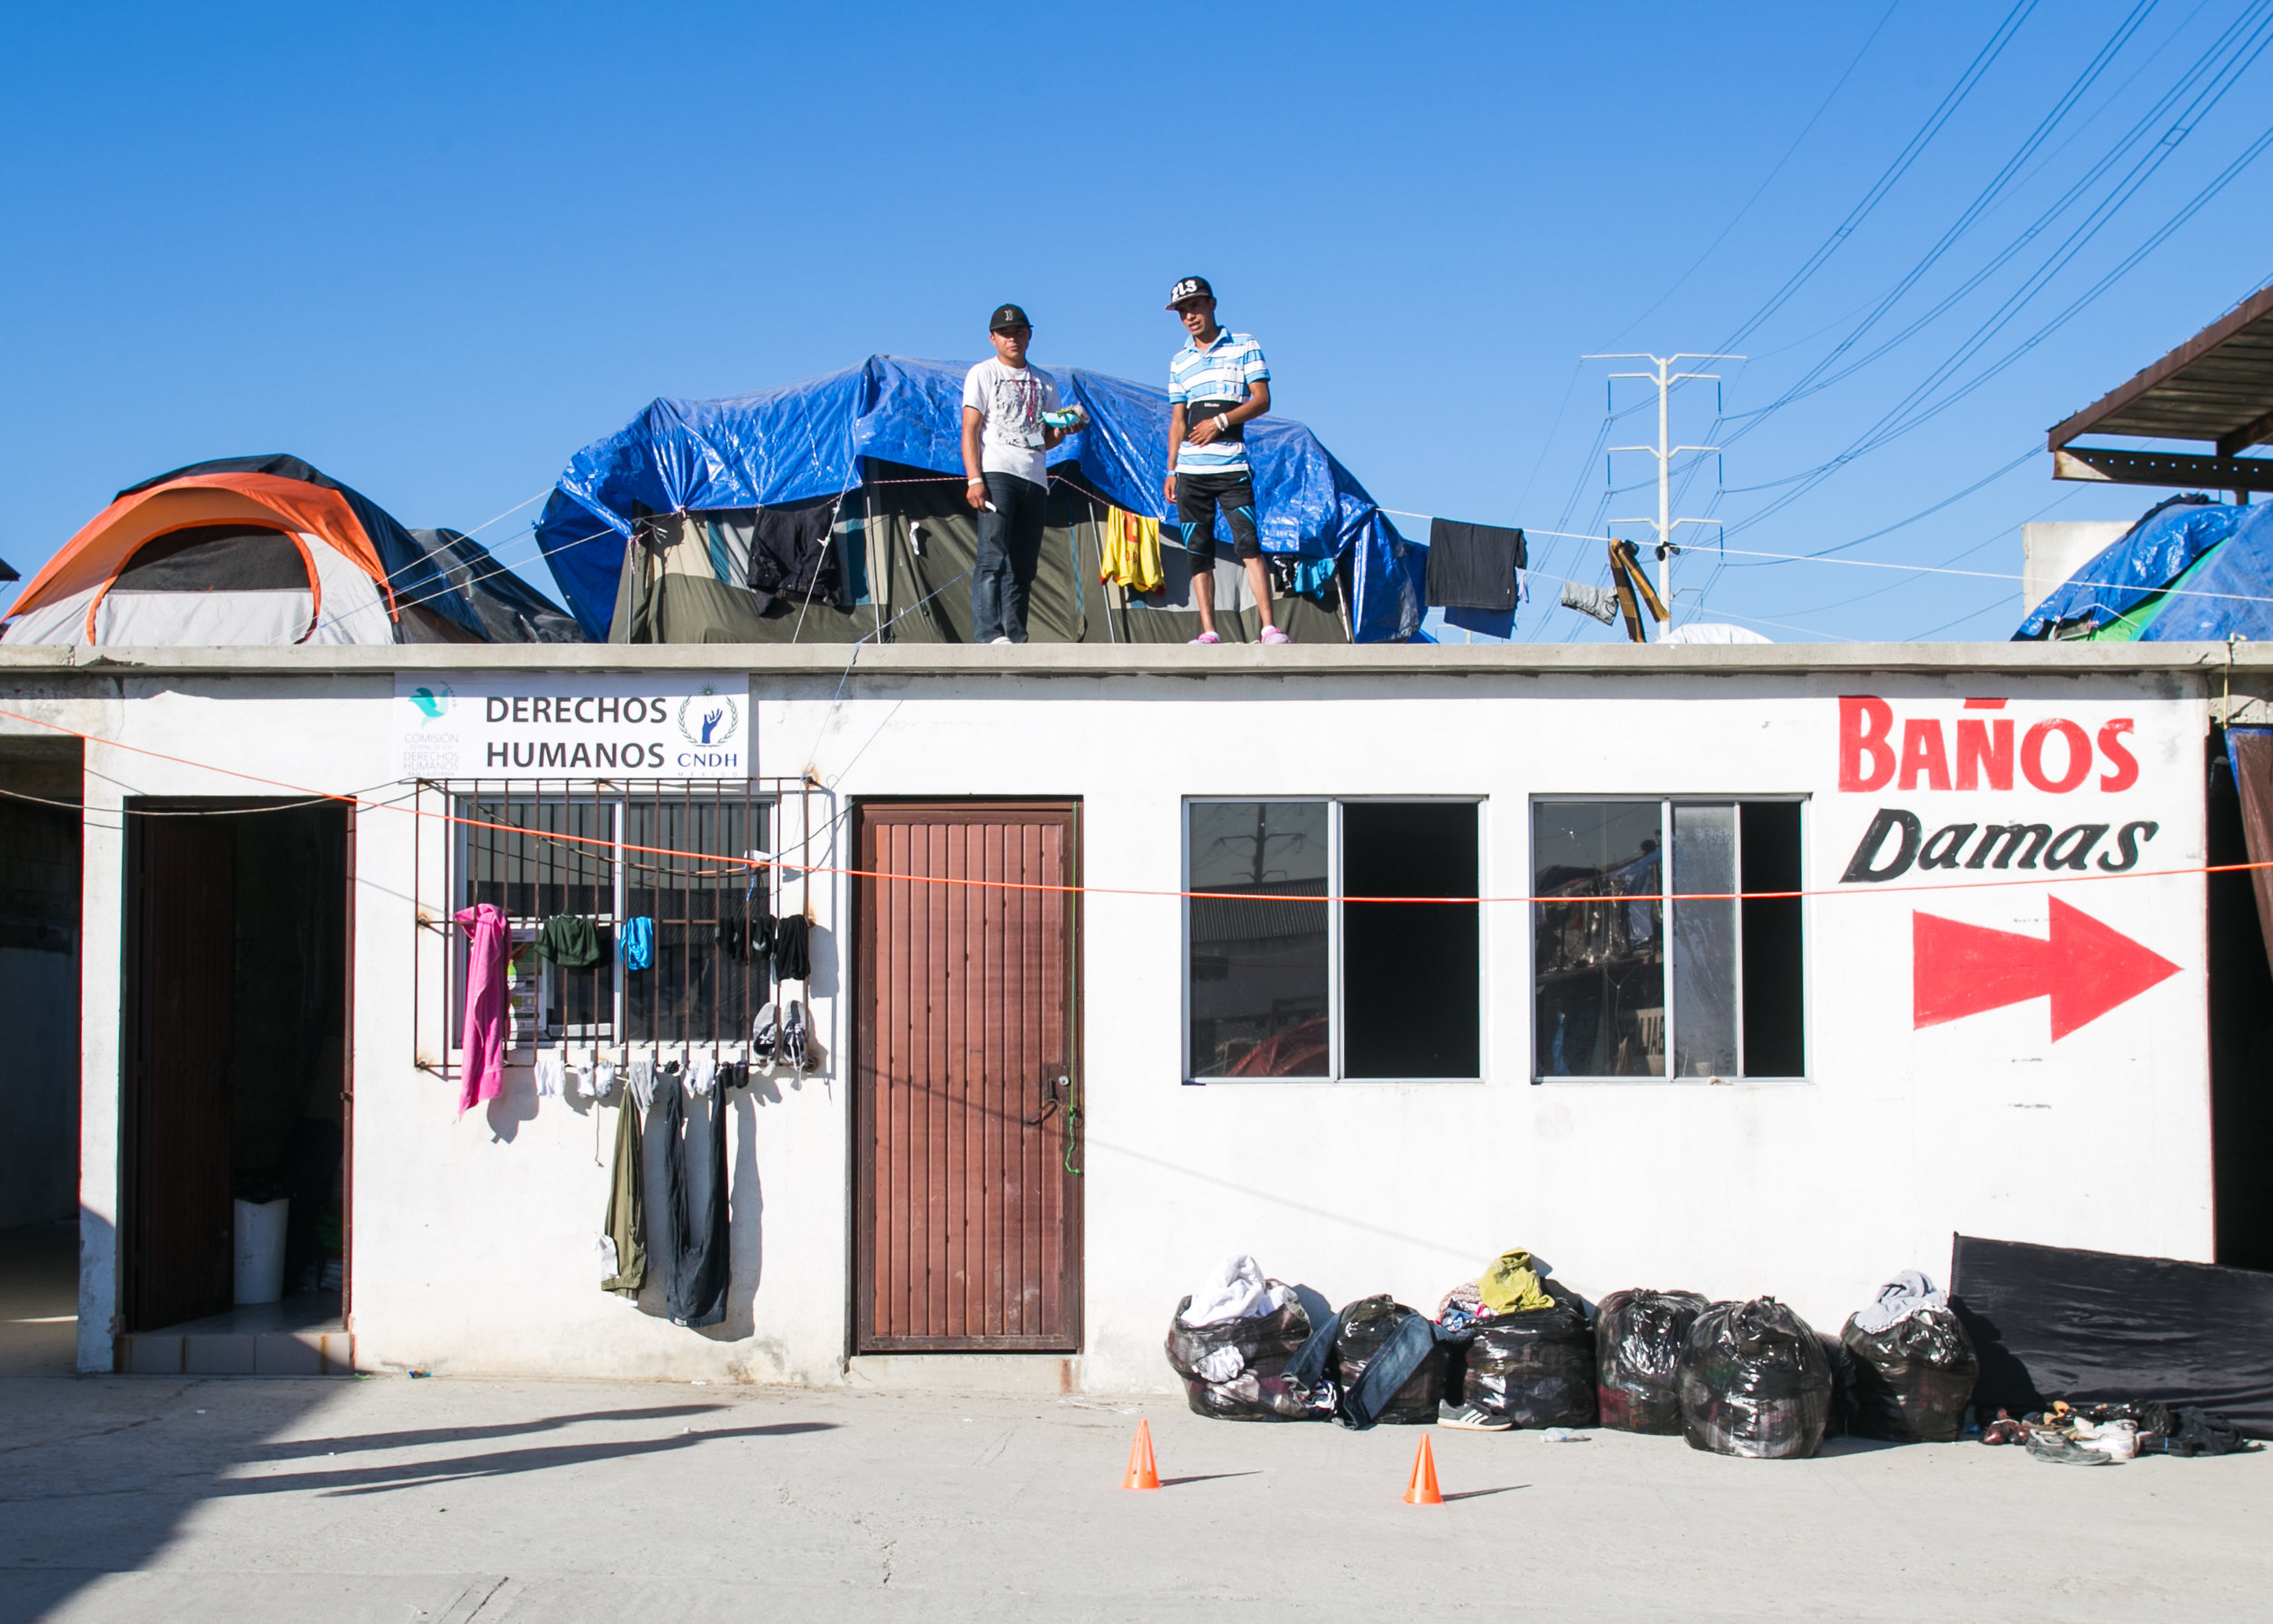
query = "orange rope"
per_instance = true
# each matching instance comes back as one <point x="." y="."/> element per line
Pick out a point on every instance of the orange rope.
<point x="777" y="861"/>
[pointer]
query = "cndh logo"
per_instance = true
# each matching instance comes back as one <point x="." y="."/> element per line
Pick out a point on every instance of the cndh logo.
<point x="432" y="703"/>
<point x="708" y="718"/>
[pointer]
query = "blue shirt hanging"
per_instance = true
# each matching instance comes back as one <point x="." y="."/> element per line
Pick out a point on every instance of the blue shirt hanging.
<point x="637" y="938"/>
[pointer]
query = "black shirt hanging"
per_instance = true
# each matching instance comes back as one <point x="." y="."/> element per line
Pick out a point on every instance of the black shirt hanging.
<point x="1473" y="566"/>
<point x="793" y="950"/>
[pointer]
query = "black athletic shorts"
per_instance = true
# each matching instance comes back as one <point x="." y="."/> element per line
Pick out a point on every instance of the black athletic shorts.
<point x="1197" y="496"/>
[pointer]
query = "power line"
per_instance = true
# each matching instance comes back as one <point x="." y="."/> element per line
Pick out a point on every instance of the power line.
<point x="1895" y="171"/>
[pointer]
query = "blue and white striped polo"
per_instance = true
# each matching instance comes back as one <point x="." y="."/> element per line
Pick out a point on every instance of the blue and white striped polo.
<point x="1216" y="376"/>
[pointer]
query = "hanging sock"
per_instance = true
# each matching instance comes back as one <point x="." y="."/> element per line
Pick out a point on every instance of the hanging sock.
<point x="596" y="1081"/>
<point x="552" y="1071"/>
<point x="702" y="1074"/>
<point x="643" y="1084"/>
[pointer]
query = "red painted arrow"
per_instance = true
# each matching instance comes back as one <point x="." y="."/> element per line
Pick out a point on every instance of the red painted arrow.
<point x="2087" y="969"/>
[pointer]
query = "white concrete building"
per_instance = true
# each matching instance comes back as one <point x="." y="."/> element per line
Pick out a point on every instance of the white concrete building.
<point x="1991" y="1009"/>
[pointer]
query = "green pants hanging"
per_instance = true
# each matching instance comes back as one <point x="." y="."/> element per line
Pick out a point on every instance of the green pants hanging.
<point x="626" y="1223"/>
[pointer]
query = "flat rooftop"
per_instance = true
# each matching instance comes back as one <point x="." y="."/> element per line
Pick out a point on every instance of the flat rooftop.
<point x="34" y="664"/>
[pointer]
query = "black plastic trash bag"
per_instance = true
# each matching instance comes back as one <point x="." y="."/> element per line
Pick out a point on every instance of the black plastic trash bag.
<point x="1754" y="1382"/>
<point x="1534" y="1368"/>
<point x="1912" y="1380"/>
<point x="1260" y="1390"/>
<point x="1841" y="1423"/>
<point x="1365" y="1327"/>
<point x="1637" y="1337"/>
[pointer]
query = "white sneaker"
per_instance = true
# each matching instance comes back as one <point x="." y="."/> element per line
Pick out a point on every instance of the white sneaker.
<point x="998" y="640"/>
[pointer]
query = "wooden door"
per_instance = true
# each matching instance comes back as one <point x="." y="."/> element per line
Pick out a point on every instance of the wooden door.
<point x="968" y="1207"/>
<point x="181" y="970"/>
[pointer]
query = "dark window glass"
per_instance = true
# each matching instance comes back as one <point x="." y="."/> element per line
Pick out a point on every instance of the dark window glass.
<point x="1258" y="967"/>
<point x="1598" y="958"/>
<point x="1411" y="1005"/>
<point x="1774" y="1020"/>
<point x="531" y="858"/>
<point x="703" y="986"/>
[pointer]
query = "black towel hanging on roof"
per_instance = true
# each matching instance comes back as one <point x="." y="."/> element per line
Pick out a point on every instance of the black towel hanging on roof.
<point x="1473" y="566"/>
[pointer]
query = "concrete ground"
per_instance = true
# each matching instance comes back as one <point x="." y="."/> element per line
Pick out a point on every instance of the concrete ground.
<point x="393" y="1499"/>
<point x="396" y="1499"/>
<point x="39" y="1298"/>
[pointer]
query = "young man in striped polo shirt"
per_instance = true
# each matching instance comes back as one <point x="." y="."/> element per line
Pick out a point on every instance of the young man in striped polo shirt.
<point x="1218" y="383"/>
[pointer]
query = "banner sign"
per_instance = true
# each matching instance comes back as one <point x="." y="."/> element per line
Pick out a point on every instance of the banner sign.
<point x="548" y="724"/>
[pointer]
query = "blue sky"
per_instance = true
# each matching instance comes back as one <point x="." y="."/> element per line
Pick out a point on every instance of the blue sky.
<point x="433" y="250"/>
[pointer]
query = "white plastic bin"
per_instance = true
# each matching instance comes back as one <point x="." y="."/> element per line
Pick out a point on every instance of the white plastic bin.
<point x="260" y="1249"/>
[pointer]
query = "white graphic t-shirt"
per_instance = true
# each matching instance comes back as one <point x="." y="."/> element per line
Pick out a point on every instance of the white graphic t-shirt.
<point x="1013" y="399"/>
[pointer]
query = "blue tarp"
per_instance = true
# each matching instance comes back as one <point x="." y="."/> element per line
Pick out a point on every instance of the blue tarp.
<point x="2232" y="592"/>
<point x="808" y="439"/>
<point x="2156" y="551"/>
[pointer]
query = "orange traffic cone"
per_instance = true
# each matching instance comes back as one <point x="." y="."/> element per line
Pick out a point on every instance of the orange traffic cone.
<point x="1141" y="1471"/>
<point x="1422" y="1489"/>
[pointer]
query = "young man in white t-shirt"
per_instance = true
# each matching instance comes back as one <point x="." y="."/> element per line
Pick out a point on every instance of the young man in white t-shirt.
<point x="1003" y="441"/>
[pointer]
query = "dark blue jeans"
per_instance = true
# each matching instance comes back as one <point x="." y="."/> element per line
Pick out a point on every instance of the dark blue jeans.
<point x="683" y="1168"/>
<point x="1009" y="551"/>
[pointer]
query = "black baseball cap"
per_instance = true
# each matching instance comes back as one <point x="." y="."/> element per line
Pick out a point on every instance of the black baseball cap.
<point x="1191" y="288"/>
<point x="1007" y="317"/>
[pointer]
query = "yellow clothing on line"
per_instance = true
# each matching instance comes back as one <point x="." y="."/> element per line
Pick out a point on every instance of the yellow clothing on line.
<point x="1130" y="551"/>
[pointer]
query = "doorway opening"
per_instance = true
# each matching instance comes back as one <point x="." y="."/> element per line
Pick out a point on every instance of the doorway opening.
<point x="2242" y="1019"/>
<point x="39" y="1086"/>
<point x="236" y="1114"/>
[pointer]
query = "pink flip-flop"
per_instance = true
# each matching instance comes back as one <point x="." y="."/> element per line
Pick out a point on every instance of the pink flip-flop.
<point x="1205" y="638"/>
<point x="1271" y="634"/>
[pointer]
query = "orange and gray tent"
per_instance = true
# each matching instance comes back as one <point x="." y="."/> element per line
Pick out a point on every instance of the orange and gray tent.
<point x="267" y="550"/>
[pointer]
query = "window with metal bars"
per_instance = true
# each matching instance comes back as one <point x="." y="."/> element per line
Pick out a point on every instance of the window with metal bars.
<point x="693" y="860"/>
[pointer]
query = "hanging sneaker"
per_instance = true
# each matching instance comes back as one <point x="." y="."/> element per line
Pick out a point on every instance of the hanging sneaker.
<point x="792" y="1050"/>
<point x="1469" y="1419"/>
<point x="1204" y="638"/>
<point x="1271" y="634"/>
<point x="765" y="1037"/>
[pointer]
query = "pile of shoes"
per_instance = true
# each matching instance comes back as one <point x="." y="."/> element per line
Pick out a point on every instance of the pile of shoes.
<point x="2102" y="1434"/>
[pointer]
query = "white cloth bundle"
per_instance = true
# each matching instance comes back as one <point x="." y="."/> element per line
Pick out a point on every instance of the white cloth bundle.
<point x="1236" y="1290"/>
<point x="1908" y="1293"/>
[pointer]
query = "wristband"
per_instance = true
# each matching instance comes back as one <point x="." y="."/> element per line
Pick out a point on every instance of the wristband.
<point x="1223" y="423"/>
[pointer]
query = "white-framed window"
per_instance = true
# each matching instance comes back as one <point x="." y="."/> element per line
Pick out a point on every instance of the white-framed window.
<point x="1315" y="947"/>
<point x="1658" y="969"/>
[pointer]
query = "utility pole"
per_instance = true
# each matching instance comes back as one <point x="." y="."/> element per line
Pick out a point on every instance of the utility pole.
<point x="1664" y="524"/>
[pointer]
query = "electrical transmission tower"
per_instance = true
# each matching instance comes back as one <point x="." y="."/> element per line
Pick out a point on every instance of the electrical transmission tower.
<point x="1664" y="524"/>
